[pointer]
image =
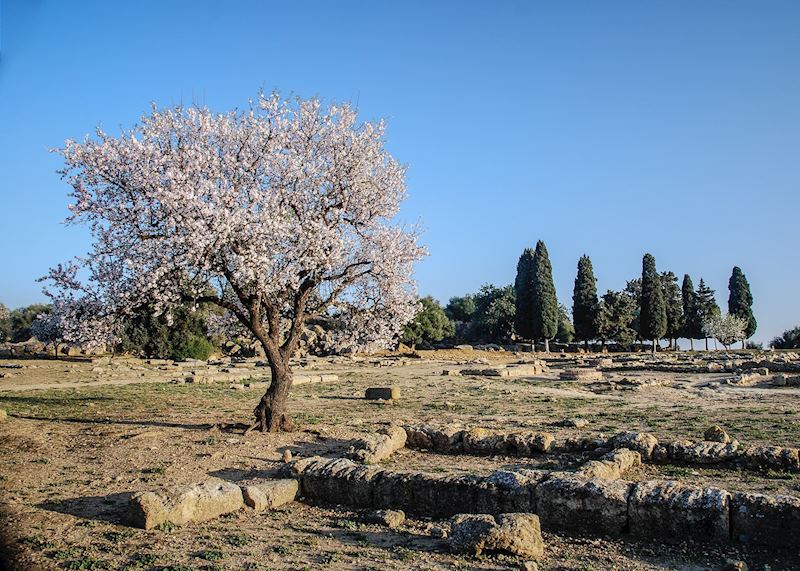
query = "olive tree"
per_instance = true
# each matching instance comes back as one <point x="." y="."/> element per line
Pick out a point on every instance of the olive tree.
<point x="276" y="213"/>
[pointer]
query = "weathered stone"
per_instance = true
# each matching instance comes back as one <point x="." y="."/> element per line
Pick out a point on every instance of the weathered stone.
<point x="448" y="495"/>
<point x="3" y="415"/>
<point x="641" y="442"/>
<point x="382" y="393"/>
<point x="270" y="495"/>
<point x="772" y="457"/>
<point x="480" y="441"/>
<point x="525" y="443"/>
<point x="487" y="372"/>
<point x="379" y="446"/>
<point x="184" y="504"/>
<point x="574" y="503"/>
<point x="514" y="533"/>
<point x="508" y="491"/>
<point x="526" y="369"/>
<point x="670" y="511"/>
<point x="390" y="518"/>
<point x="286" y="456"/>
<point x="445" y="439"/>
<point x="702" y="452"/>
<point x="779" y="380"/>
<point x="734" y="565"/>
<point x="716" y="433"/>
<point x="612" y="466"/>
<point x="575" y="422"/>
<point x="765" y="520"/>
<point x="581" y="375"/>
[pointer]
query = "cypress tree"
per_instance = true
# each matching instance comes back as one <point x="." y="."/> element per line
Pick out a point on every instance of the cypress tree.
<point x="653" y="308"/>
<point x="585" y="302"/>
<point x="545" y="304"/>
<point x="740" y="301"/>
<point x="523" y="287"/>
<point x="674" y="303"/>
<point x="692" y="328"/>
<point x="706" y="307"/>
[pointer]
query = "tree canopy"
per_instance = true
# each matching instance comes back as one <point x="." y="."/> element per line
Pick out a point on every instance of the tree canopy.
<point x="275" y="213"/>
<point x="545" y="303"/>
<point x="740" y="300"/>
<point x="429" y="325"/>
<point x="653" y="308"/>
<point x="585" y="305"/>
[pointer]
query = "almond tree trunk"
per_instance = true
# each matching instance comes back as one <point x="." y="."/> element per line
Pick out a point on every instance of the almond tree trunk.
<point x="271" y="413"/>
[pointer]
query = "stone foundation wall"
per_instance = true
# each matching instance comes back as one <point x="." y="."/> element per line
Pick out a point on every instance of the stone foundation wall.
<point x="479" y="441"/>
<point x="664" y="511"/>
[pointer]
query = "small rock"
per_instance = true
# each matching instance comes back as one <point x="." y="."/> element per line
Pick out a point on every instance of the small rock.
<point x="390" y="518"/>
<point x="575" y="422"/>
<point x="530" y="566"/>
<point x="287" y="456"/>
<point x="734" y="565"/>
<point x="715" y="433"/>
<point x="437" y="531"/>
<point x="3" y="415"/>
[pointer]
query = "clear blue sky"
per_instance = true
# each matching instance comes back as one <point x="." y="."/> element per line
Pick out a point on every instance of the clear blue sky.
<point x="606" y="128"/>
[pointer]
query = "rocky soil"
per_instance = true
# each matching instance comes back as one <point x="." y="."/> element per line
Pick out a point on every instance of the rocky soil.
<point x="82" y="437"/>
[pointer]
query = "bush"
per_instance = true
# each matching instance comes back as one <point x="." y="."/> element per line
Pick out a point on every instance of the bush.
<point x="429" y="325"/>
<point x="195" y="347"/>
<point x="790" y="339"/>
<point x="148" y="335"/>
<point x="17" y="326"/>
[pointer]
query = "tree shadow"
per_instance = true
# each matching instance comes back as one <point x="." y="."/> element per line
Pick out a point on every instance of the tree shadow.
<point x="127" y="422"/>
<point x="112" y="508"/>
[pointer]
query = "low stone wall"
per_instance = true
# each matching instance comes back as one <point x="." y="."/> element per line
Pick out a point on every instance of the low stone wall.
<point x="664" y="511"/>
<point x="457" y="440"/>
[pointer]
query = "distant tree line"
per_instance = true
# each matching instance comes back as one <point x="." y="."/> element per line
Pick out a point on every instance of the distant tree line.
<point x="651" y="308"/>
<point x="181" y="335"/>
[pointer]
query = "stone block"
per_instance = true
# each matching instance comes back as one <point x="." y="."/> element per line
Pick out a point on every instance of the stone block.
<point x="572" y="503"/>
<point x="270" y="495"/>
<point x="765" y="520"/>
<point x="382" y="393"/>
<point x="671" y="512"/>
<point x="183" y="504"/>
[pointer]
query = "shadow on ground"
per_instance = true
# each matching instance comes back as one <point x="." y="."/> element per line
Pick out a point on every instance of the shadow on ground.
<point x="112" y="508"/>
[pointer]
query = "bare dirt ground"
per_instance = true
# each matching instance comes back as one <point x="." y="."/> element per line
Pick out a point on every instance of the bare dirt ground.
<point x="79" y="441"/>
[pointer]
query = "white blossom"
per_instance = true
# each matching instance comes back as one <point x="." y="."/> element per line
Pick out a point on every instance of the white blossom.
<point x="275" y="213"/>
<point x="725" y="328"/>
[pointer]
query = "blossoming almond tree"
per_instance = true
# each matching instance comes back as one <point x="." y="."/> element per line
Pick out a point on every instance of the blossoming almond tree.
<point x="277" y="213"/>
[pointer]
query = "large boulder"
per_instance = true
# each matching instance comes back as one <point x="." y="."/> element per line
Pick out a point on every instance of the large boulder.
<point x="574" y="503"/>
<point x="183" y="504"/>
<point x="671" y="511"/>
<point x="765" y="520"/>
<point x="513" y="533"/>
<point x="270" y="495"/>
